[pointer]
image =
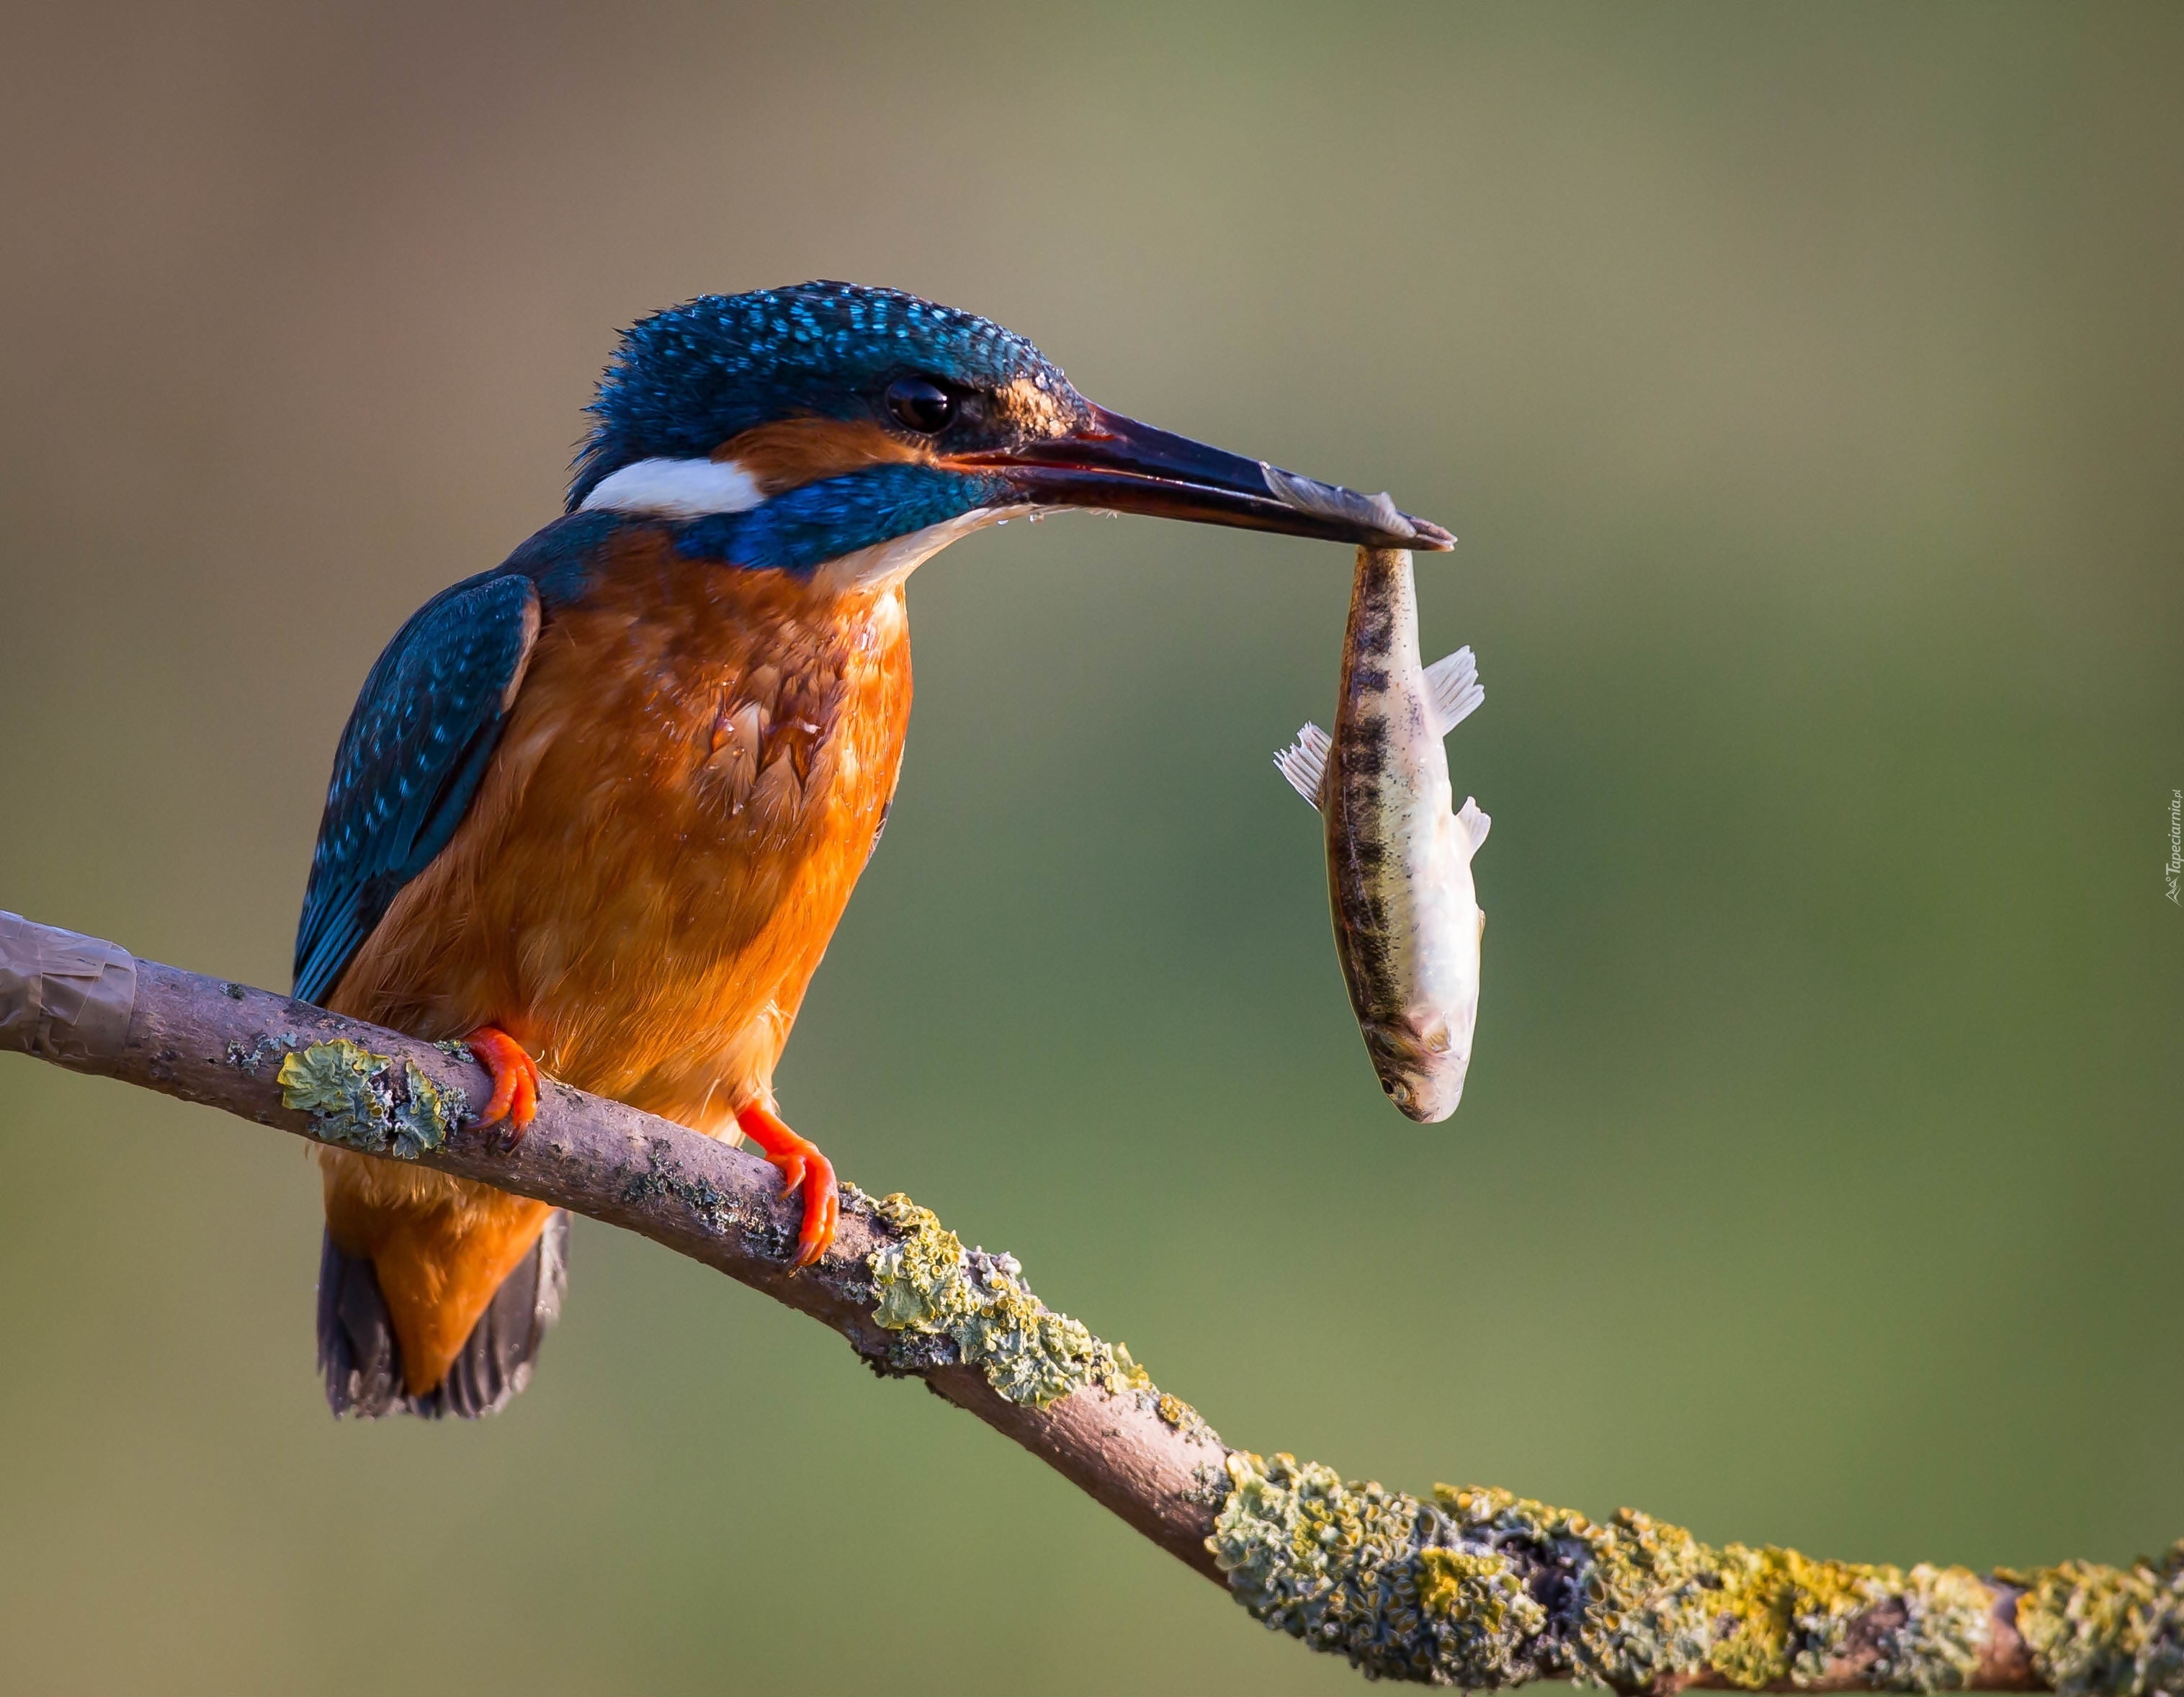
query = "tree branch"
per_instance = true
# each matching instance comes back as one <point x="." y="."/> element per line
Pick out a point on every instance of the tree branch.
<point x="1473" y="1586"/>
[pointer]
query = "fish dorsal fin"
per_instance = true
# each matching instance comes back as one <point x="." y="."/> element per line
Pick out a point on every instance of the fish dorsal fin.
<point x="1304" y="762"/>
<point x="1453" y="691"/>
<point x="1473" y="823"/>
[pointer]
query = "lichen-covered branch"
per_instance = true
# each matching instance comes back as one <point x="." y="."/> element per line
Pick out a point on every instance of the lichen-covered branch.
<point x="900" y="1290"/>
<point x="1472" y="1586"/>
<point x="1478" y="1588"/>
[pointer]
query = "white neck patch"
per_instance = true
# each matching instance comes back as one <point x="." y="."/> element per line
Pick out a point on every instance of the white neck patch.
<point x="677" y="489"/>
<point x="697" y="488"/>
<point x="884" y="564"/>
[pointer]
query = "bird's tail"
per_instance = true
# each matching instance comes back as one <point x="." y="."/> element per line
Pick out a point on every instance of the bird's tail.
<point x="362" y="1359"/>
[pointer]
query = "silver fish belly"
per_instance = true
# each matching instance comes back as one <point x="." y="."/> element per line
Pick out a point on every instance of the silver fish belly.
<point x="1407" y="924"/>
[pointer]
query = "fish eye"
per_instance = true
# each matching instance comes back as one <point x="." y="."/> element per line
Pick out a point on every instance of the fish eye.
<point x="921" y="405"/>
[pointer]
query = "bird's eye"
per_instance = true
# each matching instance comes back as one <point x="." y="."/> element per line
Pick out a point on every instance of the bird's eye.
<point x="921" y="404"/>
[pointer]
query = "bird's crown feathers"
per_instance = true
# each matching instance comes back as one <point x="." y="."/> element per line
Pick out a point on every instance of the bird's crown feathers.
<point x="686" y="379"/>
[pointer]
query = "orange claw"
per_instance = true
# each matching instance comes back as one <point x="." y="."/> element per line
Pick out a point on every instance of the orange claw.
<point x="800" y="1163"/>
<point x="514" y="1081"/>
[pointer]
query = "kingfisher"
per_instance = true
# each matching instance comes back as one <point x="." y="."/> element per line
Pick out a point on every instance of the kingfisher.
<point x="598" y="811"/>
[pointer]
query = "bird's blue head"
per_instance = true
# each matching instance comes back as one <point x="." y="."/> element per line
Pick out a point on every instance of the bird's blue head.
<point x="831" y="422"/>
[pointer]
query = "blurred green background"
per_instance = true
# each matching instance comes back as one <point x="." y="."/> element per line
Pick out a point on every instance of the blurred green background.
<point x="1806" y="385"/>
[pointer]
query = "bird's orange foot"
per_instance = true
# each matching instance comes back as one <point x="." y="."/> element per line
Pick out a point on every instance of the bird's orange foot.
<point x="515" y="1083"/>
<point x="800" y="1163"/>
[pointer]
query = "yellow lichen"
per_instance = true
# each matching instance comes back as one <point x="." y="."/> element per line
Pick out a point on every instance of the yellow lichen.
<point x="930" y="1285"/>
<point x="426" y="1113"/>
<point x="1358" y="1570"/>
<point x="1481" y="1587"/>
<point x="2093" y="1629"/>
<point x="1483" y="1591"/>
<point x="1647" y="1601"/>
<point x="1786" y="1617"/>
<point x="348" y="1092"/>
<point x="1175" y="1413"/>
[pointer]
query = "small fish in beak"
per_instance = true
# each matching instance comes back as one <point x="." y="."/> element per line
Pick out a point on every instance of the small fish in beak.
<point x="1407" y="924"/>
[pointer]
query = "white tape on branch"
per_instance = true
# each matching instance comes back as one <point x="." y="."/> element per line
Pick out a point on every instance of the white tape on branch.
<point x="62" y="995"/>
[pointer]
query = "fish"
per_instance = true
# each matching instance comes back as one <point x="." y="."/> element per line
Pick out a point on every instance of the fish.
<point x="1408" y="923"/>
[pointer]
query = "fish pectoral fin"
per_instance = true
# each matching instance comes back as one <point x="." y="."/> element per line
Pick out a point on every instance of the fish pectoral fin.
<point x="1304" y="762"/>
<point x="1453" y="691"/>
<point x="1473" y="824"/>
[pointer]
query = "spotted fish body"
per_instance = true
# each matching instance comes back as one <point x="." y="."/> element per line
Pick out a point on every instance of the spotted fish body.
<point x="1407" y="924"/>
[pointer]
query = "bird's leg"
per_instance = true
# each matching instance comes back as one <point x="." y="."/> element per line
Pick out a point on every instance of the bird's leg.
<point x="515" y="1082"/>
<point x="800" y="1163"/>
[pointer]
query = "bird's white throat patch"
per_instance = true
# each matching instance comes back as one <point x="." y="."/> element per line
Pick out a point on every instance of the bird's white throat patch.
<point x="677" y="489"/>
<point x="884" y="564"/>
<point x="697" y="488"/>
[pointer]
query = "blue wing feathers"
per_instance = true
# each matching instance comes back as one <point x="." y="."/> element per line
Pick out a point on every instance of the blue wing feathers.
<point x="416" y="746"/>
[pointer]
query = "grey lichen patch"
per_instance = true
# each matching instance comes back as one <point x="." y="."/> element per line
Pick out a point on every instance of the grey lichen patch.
<point x="718" y="1208"/>
<point x="1482" y="1589"/>
<point x="1209" y="1486"/>
<point x="1948" y="1623"/>
<point x="1338" y="1565"/>
<point x="2106" y="1629"/>
<point x="1646" y="1594"/>
<point x="252" y="1059"/>
<point x="928" y="1286"/>
<point x="1652" y="1602"/>
<point x="352" y="1097"/>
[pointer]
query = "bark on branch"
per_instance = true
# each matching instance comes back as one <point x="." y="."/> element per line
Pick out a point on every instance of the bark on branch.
<point x="1473" y="1586"/>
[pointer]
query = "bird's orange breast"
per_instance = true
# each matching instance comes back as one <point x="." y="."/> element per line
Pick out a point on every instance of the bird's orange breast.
<point x="692" y="777"/>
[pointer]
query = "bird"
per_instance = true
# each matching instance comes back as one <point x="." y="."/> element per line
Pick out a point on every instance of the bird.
<point x="598" y="811"/>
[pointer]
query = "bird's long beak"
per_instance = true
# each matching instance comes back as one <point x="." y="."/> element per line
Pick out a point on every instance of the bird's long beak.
<point x="1117" y="464"/>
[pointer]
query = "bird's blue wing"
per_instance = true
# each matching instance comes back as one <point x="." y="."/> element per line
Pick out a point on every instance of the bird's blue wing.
<point x="419" y="741"/>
